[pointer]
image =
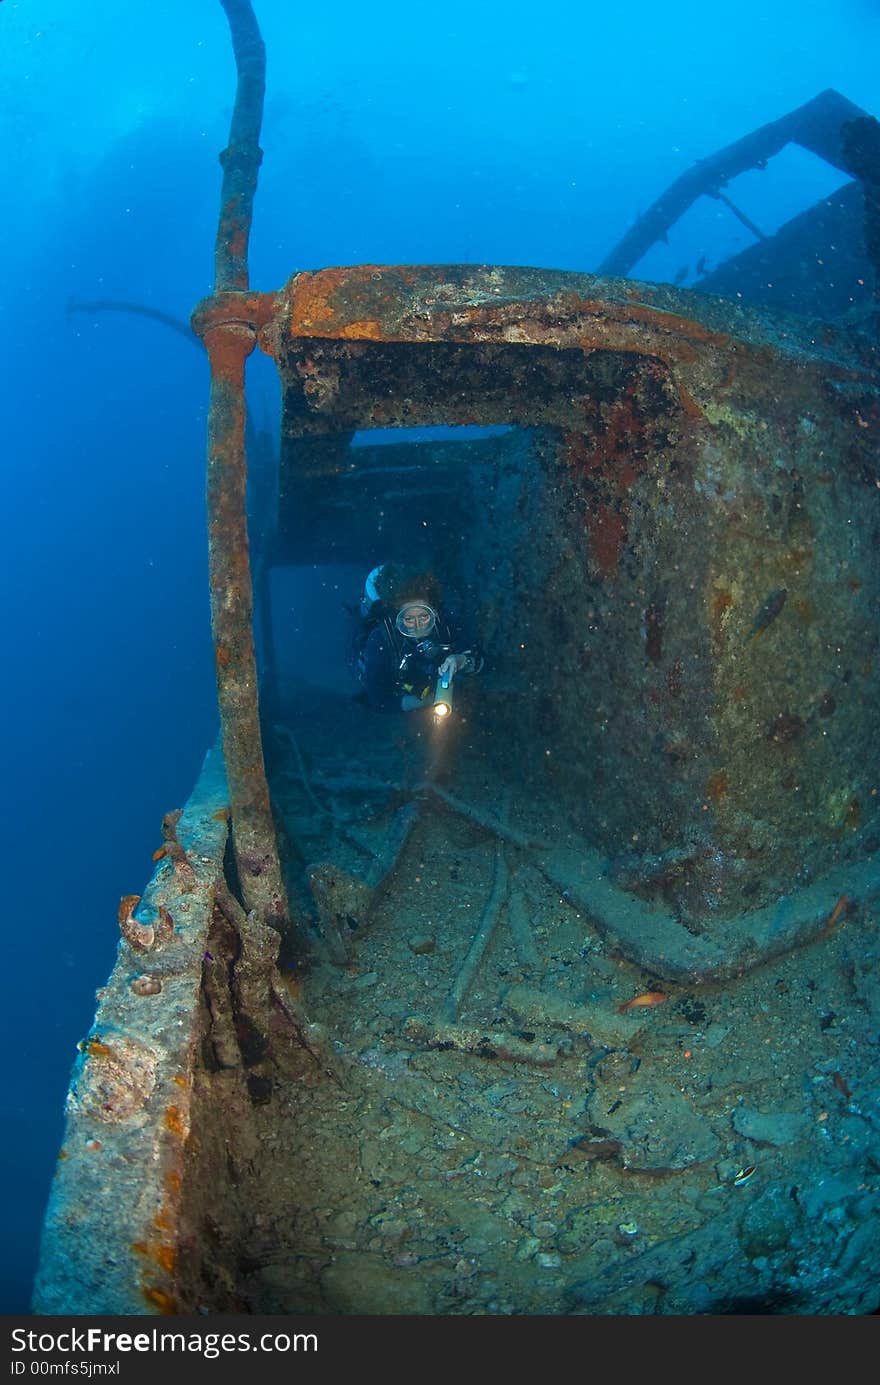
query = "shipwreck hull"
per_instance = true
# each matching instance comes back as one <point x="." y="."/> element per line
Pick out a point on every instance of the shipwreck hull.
<point x="666" y="779"/>
<point x="440" y="1138"/>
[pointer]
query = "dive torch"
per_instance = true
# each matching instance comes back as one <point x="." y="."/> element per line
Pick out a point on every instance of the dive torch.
<point x="443" y="696"/>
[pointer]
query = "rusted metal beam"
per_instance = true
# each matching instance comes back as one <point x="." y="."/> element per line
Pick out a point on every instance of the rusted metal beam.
<point x="226" y="327"/>
<point x="253" y="830"/>
<point x="416" y="345"/>
<point x="815" y="126"/>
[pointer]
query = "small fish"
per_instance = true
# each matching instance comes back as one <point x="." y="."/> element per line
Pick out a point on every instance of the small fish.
<point x="743" y="1175"/>
<point x="838" y="911"/>
<point x="768" y="612"/>
<point x="638" y="1002"/>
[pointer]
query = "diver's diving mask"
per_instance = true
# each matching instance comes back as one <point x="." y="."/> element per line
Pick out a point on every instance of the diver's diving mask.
<point x="416" y="620"/>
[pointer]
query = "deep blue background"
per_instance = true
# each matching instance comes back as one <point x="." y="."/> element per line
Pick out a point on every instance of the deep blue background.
<point x="501" y="132"/>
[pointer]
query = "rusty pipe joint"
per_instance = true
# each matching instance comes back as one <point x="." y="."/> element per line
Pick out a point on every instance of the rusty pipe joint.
<point x="233" y="308"/>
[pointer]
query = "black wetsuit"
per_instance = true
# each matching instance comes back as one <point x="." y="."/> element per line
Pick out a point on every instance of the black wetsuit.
<point x="393" y="665"/>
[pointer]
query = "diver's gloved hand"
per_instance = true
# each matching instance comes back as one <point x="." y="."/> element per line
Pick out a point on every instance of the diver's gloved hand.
<point x="453" y="664"/>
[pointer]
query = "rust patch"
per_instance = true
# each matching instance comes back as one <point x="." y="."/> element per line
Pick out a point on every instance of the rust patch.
<point x="717" y="786"/>
<point x="311" y="311"/>
<point x="176" y="1122"/>
<point x="228" y="345"/>
<point x="159" y="1252"/>
<point x="160" y="1300"/>
<point x="253" y="310"/>
<point x="607" y="538"/>
<point x="367" y="328"/>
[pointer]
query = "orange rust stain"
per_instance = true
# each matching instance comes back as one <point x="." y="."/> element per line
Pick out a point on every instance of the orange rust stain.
<point x="607" y="537"/>
<point x="221" y="815"/>
<point x="222" y="656"/>
<point x="673" y="347"/>
<point x="311" y="312"/>
<point x="62" y="1154"/>
<point x="173" y="1182"/>
<point x="160" y="1300"/>
<point x="367" y="327"/>
<point x="577" y="452"/>
<point x="98" y="1050"/>
<point x="717" y="786"/>
<point x="162" y="851"/>
<point x="251" y="310"/>
<point x="687" y="401"/>
<point x="166" y="1256"/>
<point x="228" y="346"/>
<point x="162" y="1221"/>
<point x="174" y="1122"/>
<point x="179" y="1079"/>
<point x="668" y="322"/>
<point x="838" y="911"/>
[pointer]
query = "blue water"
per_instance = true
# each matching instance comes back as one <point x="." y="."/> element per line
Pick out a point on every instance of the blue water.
<point x="394" y="132"/>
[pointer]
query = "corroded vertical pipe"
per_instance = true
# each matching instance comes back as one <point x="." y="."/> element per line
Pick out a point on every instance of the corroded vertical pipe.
<point x="229" y="341"/>
<point x="242" y="157"/>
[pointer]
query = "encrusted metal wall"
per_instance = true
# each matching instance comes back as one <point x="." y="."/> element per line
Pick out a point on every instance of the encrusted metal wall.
<point x="689" y="640"/>
<point x="672" y="559"/>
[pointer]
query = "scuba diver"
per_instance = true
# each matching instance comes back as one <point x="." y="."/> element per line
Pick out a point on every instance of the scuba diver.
<point x="406" y="649"/>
